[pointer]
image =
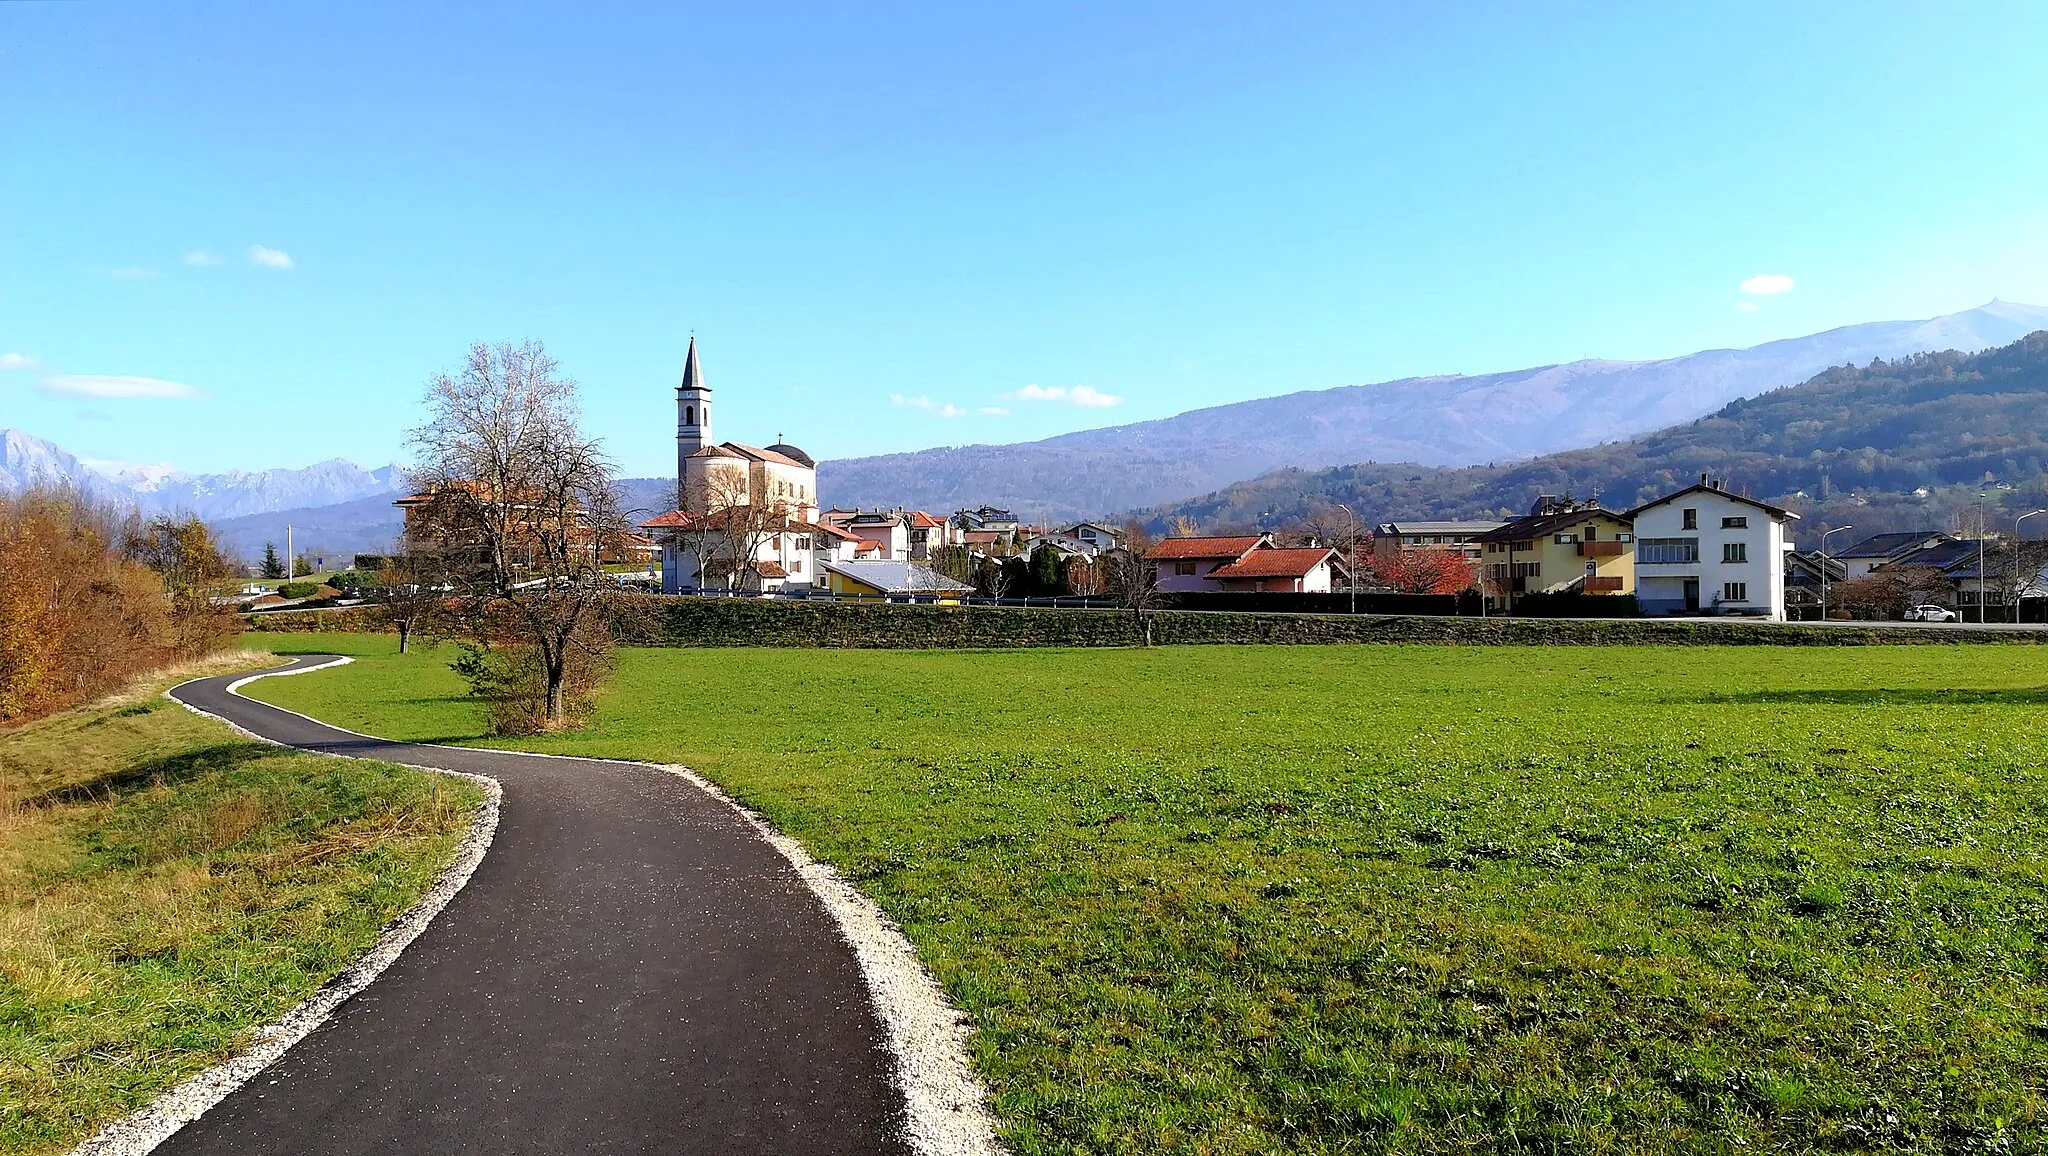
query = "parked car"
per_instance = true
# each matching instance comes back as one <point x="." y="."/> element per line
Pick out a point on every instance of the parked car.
<point x="1929" y="614"/>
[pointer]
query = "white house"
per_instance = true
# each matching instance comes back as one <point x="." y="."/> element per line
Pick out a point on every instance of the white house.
<point x="1705" y="550"/>
<point x="1081" y="540"/>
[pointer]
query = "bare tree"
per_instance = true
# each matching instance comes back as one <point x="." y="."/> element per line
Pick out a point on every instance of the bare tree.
<point x="410" y="589"/>
<point x="519" y="504"/>
<point x="1129" y="579"/>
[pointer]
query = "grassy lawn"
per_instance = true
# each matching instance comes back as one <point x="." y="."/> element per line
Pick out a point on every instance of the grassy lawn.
<point x="1407" y="899"/>
<point x="165" y="885"/>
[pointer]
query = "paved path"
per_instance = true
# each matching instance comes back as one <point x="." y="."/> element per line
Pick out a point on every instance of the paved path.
<point x="631" y="969"/>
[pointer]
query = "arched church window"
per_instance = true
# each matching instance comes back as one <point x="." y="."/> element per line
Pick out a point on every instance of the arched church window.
<point x="689" y="415"/>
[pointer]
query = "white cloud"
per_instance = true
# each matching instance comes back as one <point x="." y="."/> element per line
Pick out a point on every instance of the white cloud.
<point x="993" y="411"/>
<point x="269" y="258"/>
<point x="1746" y="306"/>
<point x="202" y="257"/>
<point x="904" y="401"/>
<point x="17" y="361"/>
<point x="96" y="385"/>
<point x="134" y="273"/>
<point x="1767" y="285"/>
<point x="1086" y="396"/>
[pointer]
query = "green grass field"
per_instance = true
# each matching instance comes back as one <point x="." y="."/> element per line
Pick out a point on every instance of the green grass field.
<point x="1406" y="899"/>
<point x="166" y="885"/>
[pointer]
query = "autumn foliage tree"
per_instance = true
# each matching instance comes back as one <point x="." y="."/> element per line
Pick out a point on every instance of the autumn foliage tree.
<point x="91" y="596"/>
<point x="1423" y="571"/>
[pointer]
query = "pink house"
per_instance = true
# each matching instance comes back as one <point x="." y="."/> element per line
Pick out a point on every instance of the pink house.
<point x="1181" y="564"/>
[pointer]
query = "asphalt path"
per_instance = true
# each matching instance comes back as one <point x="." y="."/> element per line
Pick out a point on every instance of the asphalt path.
<point x="631" y="969"/>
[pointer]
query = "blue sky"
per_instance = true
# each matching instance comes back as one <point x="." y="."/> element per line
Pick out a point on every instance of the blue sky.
<point x="244" y="235"/>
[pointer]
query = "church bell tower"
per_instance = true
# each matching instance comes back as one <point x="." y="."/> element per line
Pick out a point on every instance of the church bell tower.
<point x="693" y="412"/>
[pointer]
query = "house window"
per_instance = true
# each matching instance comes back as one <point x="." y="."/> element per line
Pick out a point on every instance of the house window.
<point x="1667" y="550"/>
<point x="1739" y="522"/>
<point x="1734" y="551"/>
<point x="1734" y="591"/>
<point x="1692" y="520"/>
<point x="1184" y="567"/>
<point x="1592" y="533"/>
<point x="796" y="565"/>
<point x="1528" y="569"/>
<point x="803" y="543"/>
<point x="1624" y="537"/>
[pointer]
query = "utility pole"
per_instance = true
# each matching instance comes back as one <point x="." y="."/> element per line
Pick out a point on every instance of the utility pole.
<point x="1351" y="556"/>
<point x="1824" y="569"/>
<point x="1980" y="562"/>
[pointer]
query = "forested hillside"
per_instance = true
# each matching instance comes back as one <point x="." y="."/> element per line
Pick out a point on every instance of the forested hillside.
<point x="1851" y="445"/>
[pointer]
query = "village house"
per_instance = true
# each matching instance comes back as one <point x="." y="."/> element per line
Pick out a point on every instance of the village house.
<point x="1879" y="549"/>
<point x="895" y="580"/>
<point x="1089" y="540"/>
<point x="1390" y="538"/>
<point x="1180" y="564"/>
<point x="1573" y="548"/>
<point x="1704" y="549"/>
<point x="1242" y="564"/>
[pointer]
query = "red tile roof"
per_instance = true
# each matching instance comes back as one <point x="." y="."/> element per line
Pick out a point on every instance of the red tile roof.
<point x="1273" y="562"/>
<point x="867" y="547"/>
<point x="674" y="519"/>
<point x="919" y="520"/>
<point x="1184" y="548"/>
<point x="772" y="570"/>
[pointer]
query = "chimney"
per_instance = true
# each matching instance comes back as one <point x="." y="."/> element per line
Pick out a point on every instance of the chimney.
<point x="1703" y="479"/>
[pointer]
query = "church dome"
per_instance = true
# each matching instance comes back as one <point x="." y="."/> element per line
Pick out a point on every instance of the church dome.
<point x="793" y="453"/>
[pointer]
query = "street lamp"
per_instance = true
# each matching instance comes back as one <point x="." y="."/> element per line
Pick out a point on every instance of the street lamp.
<point x="2016" y="583"/>
<point x="1824" y="569"/>
<point x="1351" y="556"/>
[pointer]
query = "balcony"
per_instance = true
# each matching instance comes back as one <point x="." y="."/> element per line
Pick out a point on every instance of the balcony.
<point x="1602" y="549"/>
<point x="1603" y="585"/>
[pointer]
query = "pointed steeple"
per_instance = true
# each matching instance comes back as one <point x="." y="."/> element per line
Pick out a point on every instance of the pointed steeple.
<point x="693" y="377"/>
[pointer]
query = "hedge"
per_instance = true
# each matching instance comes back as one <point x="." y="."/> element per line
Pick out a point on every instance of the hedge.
<point x="666" y="620"/>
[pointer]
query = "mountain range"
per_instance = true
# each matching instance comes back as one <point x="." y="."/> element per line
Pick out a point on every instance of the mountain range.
<point x="26" y="459"/>
<point x="1921" y="442"/>
<point x="1444" y="421"/>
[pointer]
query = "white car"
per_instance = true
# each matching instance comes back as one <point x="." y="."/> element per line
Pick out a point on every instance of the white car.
<point x="1929" y="614"/>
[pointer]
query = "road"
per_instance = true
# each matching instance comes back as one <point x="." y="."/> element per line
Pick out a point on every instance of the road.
<point x="631" y="969"/>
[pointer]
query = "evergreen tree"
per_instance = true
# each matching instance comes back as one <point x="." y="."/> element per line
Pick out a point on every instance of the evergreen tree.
<point x="273" y="566"/>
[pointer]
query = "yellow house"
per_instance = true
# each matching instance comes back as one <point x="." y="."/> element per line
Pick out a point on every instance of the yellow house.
<point x="898" y="581"/>
<point x="1586" y="550"/>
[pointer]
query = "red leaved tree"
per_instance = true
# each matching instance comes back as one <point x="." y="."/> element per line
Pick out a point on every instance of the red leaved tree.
<point x="1424" y="572"/>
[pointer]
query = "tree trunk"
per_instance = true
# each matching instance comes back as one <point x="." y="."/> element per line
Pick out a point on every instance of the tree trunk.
<point x="554" y="666"/>
<point x="404" y="634"/>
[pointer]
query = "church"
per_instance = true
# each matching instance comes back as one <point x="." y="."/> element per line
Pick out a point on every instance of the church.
<point x="717" y="476"/>
<point x="746" y="517"/>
